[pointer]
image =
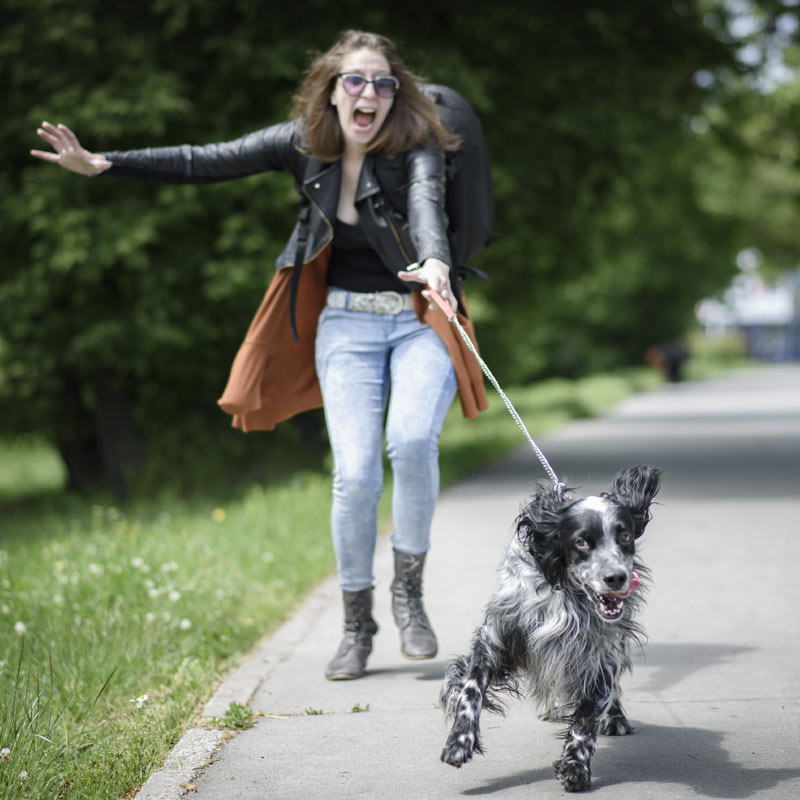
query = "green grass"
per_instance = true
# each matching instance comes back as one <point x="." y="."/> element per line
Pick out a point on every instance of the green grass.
<point x="29" y="467"/>
<point x="101" y="606"/>
<point x="236" y="716"/>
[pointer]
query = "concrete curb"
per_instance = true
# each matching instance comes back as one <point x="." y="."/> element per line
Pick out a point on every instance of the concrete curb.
<point x="199" y="745"/>
<point x="188" y="757"/>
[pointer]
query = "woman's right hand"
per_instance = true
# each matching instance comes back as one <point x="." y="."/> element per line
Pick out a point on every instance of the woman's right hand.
<point x="68" y="151"/>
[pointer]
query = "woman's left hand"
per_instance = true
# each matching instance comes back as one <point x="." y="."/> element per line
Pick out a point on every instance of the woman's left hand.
<point x="436" y="275"/>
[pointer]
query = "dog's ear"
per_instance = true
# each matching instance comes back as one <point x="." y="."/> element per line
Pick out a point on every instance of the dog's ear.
<point x="538" y="526"/>
<point x="635" y="488"/>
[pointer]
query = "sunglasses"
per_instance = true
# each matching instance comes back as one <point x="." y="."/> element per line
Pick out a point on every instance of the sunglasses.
<point x="354" y="83"/>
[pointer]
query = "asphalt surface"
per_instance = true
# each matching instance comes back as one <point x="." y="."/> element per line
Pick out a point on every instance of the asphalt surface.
<point x="714" y="697"/>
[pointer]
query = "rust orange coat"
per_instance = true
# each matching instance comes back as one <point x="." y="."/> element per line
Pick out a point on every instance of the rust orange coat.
<point x="273" y="377"/>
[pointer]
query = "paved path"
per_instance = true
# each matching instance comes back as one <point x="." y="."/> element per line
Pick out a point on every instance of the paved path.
<point x="715" y="698"/>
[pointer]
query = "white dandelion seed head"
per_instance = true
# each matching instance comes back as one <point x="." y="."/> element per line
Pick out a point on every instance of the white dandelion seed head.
<point x="185" y="624"/>
<point x="174" y="595"/>
<point x="20" y="628"/>
<point x="5" y="754"/>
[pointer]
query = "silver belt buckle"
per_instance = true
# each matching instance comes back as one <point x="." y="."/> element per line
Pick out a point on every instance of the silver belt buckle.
<point x="388" y="302"/>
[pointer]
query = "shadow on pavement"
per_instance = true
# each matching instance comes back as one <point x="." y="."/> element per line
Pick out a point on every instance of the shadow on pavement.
<point x="676" y="662"/>
<point x="693" y="758"/>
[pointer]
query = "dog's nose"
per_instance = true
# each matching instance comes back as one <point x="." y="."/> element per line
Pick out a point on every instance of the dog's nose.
<point x="615" y="581"/>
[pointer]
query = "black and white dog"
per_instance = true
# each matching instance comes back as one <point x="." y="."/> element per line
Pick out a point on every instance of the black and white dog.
<point x="560" y="625"/>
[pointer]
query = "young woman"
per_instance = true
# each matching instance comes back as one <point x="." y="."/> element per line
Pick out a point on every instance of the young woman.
<point x="341" y="323"/>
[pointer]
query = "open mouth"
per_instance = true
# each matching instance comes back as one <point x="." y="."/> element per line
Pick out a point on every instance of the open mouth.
<point x="609" y="607"/>
<point x="363" y="118"/>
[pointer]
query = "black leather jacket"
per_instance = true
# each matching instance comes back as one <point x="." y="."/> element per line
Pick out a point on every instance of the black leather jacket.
<point x="400" y="200"/>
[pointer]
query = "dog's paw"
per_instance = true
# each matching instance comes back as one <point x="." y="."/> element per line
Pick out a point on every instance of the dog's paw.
<point x="458" y="749"/>
<point x="573" y="776"/>
<point x="615" y="726"/>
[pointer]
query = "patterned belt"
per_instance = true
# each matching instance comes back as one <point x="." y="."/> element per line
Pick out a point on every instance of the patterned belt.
<point x="371" y="302"/>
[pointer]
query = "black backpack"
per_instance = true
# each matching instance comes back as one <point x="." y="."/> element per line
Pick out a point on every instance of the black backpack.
<point x="469" y="198"/>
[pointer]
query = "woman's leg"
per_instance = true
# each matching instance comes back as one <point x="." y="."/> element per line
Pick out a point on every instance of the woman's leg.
<point x="352" y="369"/>
<point x="423" y="386"/>
<point x="351" y="360"/>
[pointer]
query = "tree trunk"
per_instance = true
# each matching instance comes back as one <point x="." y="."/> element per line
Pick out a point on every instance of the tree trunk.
<point x="117" y="438"/>
<point x="96" y="435"/>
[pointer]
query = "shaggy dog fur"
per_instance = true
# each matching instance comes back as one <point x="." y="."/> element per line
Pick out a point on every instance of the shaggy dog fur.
<point x="561" y="623"/>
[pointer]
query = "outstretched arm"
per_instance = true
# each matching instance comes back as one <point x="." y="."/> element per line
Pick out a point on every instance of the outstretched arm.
<point x="68" y="151"/>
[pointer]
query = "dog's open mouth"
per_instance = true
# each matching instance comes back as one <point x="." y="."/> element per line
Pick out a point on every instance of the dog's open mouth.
<point x="610" y="606"/>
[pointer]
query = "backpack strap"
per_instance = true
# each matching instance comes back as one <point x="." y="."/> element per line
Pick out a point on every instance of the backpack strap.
<point x="303" y="228"/>
<point x="299" y="258"/>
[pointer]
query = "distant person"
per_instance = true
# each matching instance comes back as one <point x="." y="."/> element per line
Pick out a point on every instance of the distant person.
<point x="367" y="148"/>
<point x="669" y="357"/>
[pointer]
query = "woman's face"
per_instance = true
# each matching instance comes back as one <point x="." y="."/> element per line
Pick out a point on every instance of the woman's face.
<point x="361" y="117"/>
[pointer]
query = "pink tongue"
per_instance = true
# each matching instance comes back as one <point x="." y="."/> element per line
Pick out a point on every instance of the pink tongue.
<point x="363" y="119"/>
<point x="635" y="581"/>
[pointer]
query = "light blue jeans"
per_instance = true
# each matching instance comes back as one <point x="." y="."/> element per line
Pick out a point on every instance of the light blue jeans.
<point x="365" y="361"/>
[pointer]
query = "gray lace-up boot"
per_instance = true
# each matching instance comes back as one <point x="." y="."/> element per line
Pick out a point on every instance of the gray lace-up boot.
<point x="359" y="628"/>
<point x="417" y="639"/>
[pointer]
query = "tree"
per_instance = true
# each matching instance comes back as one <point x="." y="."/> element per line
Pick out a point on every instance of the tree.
<point x="123" y="303"/>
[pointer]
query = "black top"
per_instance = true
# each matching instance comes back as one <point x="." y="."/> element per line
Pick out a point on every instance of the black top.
<point x="355" y="265"/>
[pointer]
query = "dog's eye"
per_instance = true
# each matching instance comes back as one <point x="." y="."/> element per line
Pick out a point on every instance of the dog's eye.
<point x="625" y="538"/>
<point x="581" y="543"/>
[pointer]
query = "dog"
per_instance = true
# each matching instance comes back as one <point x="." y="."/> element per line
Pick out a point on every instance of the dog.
<point x="560" y="626"/>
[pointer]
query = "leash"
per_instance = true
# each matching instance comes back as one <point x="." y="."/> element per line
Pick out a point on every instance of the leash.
<point x="451" y="317"/>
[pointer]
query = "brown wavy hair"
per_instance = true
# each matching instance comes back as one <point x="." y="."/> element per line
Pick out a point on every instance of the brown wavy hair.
<point x="412" y="121"/>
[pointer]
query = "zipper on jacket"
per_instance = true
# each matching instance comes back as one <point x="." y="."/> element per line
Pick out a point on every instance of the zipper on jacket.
<point x="380" y="204"/>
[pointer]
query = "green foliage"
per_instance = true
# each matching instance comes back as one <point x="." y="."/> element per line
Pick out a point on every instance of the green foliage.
<point x="124" y="303"/>
<point x="756" y="181"/>
<point x="29" y="467"/>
